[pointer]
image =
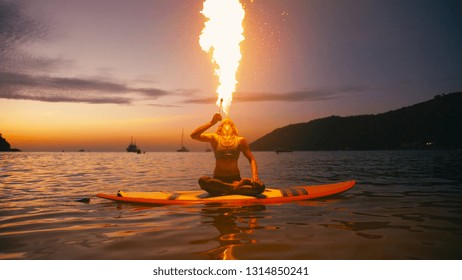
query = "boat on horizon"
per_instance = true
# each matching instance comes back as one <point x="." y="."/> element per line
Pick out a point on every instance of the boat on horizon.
<point x="133" y="148"/>
<point x="183" y="148"/>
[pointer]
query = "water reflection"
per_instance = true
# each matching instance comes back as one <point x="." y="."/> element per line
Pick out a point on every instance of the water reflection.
<point x="360" y="227"/>
<point x="406" y="204"/>
<point x="235" y="226"/>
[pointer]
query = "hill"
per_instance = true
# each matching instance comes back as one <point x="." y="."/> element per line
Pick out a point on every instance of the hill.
<point x="436" y="123"/>
<point x="5" y="146"/>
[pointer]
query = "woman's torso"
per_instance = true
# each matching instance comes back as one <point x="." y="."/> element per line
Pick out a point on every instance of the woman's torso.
<point x="227" y="151"/>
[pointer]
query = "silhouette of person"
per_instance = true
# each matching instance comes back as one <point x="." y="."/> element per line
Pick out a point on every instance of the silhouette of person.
<point x="227" y="146"/>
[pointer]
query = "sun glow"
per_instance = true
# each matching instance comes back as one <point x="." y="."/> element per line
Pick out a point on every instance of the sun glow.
<point x="221" y="37"/>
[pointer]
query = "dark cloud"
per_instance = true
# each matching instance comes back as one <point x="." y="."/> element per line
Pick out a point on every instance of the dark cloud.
<point x="15" y="27"/>
<point x="151" y="92"/>
<point x="47" y="97"/>
<point x="200" y="100"/>
<point x="295" y="96"/>
<point x="17" y="30"/>
<point x="55" y="89"/>
<point x="16" y="68"/>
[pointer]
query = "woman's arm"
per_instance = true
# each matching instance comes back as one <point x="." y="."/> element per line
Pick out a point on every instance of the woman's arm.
<point x="198" y="133"/>
<point x="253" y="163"/>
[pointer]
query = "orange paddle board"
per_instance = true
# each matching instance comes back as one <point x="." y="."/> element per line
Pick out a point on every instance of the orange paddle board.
<point x="269" y="196"/>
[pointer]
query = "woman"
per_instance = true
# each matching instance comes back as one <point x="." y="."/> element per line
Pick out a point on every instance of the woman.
<point x="227" y="146"/>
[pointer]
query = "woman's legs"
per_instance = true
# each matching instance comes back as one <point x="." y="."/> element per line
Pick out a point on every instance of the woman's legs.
<point x="215" y="186"/>
<point x="247" y="187"/>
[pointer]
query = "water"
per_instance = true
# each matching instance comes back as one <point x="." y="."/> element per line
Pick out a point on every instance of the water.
<point x="406" y="205"/>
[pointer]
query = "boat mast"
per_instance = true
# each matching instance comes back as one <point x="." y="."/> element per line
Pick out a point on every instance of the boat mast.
<point x="182" y="138"/>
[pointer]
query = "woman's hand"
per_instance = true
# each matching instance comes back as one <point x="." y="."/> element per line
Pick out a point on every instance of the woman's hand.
<point x="198" y="133"/>
<point x="256" y="180"/>
<point x="216" y="118"/>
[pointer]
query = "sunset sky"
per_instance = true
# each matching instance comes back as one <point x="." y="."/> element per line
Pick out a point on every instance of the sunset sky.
<point x="89" y="74"/>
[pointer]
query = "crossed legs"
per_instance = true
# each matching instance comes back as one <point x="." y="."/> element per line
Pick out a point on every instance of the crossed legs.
<point x="216" y="186"/>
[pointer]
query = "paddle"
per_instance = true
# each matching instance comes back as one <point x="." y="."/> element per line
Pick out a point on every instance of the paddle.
<point x="83" y="200"/>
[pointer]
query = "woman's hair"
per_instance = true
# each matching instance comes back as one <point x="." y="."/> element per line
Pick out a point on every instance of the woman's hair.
<point x="230" y="123"/>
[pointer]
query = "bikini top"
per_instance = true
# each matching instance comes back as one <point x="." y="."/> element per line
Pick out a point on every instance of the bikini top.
<point x="227" y="151"/>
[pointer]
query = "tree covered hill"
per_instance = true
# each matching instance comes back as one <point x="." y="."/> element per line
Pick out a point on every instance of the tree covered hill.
<point x="436" y="123"/>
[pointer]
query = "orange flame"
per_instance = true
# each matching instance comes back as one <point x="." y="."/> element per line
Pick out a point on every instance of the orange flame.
<point x="221" y="37"/>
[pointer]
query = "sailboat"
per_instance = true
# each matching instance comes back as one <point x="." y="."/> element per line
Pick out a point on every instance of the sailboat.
<point x="183" y="148"/>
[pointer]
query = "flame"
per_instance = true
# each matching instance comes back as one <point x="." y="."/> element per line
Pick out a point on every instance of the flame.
<point x="221" y="37"/>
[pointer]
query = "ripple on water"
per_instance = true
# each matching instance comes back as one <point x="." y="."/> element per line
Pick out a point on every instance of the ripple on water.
<point x="406" y="205"/>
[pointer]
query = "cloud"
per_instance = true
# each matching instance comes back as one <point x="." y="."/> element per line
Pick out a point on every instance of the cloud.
<point x="38" y="96"/>
<point x="57" y="89"/>
<point x="15" y="27"/>
<point x="200" y="100"/>
<point x="18" y="70"/>
<point x="164" y="105"/>
<point x="294" y="96"/>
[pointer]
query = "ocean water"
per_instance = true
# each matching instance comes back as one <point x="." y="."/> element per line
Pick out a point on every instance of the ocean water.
<point x="405" y="205"/>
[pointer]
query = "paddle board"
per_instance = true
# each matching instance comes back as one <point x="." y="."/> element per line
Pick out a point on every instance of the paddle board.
<point x="269" y="196"/>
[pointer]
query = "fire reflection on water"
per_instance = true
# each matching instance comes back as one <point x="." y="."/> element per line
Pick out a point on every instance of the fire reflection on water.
<point x="235" y="227"/>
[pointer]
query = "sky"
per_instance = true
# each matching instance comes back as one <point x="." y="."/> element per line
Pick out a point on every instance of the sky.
<point x="91" y="74"/>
